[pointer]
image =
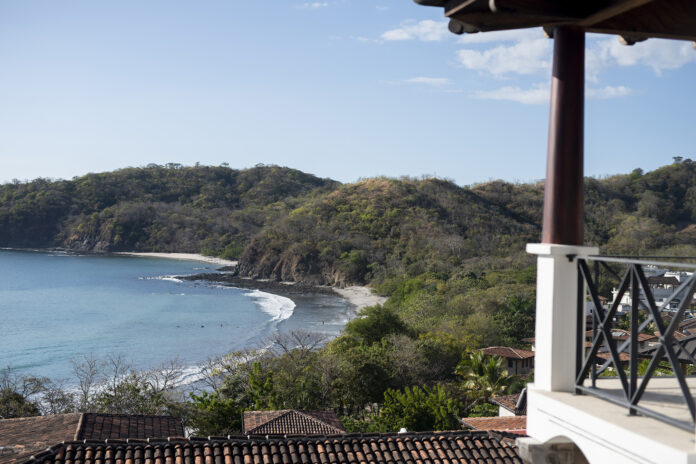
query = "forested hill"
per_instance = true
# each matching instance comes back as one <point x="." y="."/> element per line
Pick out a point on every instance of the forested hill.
<point x="214" y="210"/>
<point x="285" y="224"/>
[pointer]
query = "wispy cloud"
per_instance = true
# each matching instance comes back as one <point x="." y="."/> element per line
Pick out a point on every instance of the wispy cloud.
<point x="312" y="5"/>
<point x="434" y="81"/>
<point x="540" y="93"/>
<point x="513" y="35"/>
<point x="425" y="31"/>
<point x="608" y="92"/>
<point x="658" y="54"/>
<point x="524" y="57"/>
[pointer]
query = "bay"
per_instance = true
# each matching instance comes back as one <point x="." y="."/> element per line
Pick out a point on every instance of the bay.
<point x="56" y="307"/>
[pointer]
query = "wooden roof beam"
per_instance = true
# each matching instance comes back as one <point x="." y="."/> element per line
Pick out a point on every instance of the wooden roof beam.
<point x="615" y="8"/>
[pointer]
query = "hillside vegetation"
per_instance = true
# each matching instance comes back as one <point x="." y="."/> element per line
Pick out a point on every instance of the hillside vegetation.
<point x="288" y="225"/>
<point x="451" y="259"/>
<point x="214" y="210"/>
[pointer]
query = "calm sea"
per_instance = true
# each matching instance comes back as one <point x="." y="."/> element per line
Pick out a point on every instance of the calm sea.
<point x="56" y="307"/>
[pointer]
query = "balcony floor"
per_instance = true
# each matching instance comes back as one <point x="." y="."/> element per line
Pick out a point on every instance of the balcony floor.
<point x="662" y="395"/>
<point x="606" y="432"/>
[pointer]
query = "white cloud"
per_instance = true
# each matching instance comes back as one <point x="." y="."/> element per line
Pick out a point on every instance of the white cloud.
<point x="434" y="81"/>
<point x="312" y="5"/>
<point x="530" y="55"/>
<point x="608" y="92"/>
<point x="654" y="53"/>
<point x="540" y="93"/>
<point x="524" y="57"/>
<point x="425" y="31"/>
<point x="513" y="35"/>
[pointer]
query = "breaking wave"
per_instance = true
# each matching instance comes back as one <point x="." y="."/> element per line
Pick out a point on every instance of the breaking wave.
<point x="169" y="278"/>
<point x="278" y="307"/>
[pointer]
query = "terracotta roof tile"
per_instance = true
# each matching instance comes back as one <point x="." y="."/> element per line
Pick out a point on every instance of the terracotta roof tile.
<point x="510" y="403"/>
<point x="662" y="280"/>
<point x="474" y="447"/>
<point x="291" y="422"/>
<point x="623" y="356"/>
<point x="507" y="352"/>
<point x="22" y="437"/>
<point x="104" y="426"/>
<point x="498" y="423"/>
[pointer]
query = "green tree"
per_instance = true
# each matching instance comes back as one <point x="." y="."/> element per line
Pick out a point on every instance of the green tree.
<point x="516" y="319"/>
<point x="419" y="409"/>
<point x="484" y="376"/>
<point x="220" y="412"/>
<point x="374" y="323"/>
<point x="13" y="404"/>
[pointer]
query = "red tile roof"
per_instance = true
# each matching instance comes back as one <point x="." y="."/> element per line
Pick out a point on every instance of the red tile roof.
<point x="22" y="437"/>
<point x="507" y="352"/>
<point x="514" y="424"/>
<point x="291" y="422"/>
<point x="103" y="426"/>
<point x="472" y="447"/>
<point x="623" y="356"/>
<point x="509" y="402"/>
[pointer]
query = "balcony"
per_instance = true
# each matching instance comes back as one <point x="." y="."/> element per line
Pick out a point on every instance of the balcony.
<point x="617" y="398"/>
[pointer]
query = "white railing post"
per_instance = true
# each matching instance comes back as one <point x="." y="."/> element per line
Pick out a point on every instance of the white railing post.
<point x="556" y="314"/>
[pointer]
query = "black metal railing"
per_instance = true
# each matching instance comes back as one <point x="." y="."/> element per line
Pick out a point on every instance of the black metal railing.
<point x="642" y="304"/>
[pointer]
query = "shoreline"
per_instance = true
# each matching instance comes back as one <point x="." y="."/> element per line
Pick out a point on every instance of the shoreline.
<point x="179" y="256"/>
<point x="356" y="295"/>
<point x="360" y="297"/>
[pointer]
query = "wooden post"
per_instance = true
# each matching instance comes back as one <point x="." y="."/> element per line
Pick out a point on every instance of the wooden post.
<point x="563" y="194"/>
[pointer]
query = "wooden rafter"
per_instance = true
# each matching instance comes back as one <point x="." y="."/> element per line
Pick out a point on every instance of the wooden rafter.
<point x="633" y="19"/>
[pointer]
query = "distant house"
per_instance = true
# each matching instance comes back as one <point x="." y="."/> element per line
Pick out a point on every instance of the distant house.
<point x="620" y="335"/>
<point x="24" y="436"/>
<point x="291" y="422"/>
<point x="518" y="362"/>
<point x="662" y="285"/>
<point x="511" y="405"/>
<point x="510" y="424"/>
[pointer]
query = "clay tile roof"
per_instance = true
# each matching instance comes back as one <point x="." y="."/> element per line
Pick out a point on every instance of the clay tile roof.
<point x="507" y="352"/>
<point x="472" y="447"/>
<point x="623" y="356"/>
<point x="513" y="424"/>
<point x="291" y="422"/>
<point x="641" y="336"/>
<point x="662" y="280"/>
<point x="103" y="426"/>
<point x="510" y="403"/>
<point x="688" y="323"/>
<point x="22" y="437"/>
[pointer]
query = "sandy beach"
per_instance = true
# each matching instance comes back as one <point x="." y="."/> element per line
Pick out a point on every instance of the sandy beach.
<point x="182" y="256"/>
<point x="360" y="296"/>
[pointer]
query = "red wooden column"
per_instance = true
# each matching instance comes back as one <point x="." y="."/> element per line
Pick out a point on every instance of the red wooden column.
<point x="563" y="194"/>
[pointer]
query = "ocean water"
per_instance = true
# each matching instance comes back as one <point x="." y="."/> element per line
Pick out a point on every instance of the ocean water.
<point x="56" y="307"/>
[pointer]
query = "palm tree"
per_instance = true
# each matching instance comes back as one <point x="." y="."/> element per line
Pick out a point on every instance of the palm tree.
<point x="484" y="376"/>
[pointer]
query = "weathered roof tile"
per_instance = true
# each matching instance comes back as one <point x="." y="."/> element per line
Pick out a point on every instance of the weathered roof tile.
<point x="290" y="421"/>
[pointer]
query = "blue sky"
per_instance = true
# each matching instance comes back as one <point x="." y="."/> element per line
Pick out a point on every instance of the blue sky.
<point x="339" y="88"/>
